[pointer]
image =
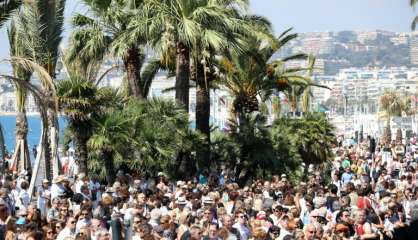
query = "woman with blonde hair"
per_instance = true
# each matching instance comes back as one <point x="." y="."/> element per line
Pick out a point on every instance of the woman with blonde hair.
<point x="184" y="224"/>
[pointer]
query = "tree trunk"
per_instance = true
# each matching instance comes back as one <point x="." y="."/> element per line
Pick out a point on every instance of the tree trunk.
<point x="182" y="74"/>
<point x="202" y="116"/>
<point x="109" y="167"/>
<point x="2" y="152"/>
<point x="21" y="158"/>
<point x="42" y="168"/>
<point x="133" y="63"/>
<point x="53" y="143"/>
<point x="46" y="146"/>
<point x="387" y="133"/>
<point x="81" y="137"/>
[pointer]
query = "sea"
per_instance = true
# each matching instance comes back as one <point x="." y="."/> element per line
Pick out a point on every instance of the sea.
<point x="8" y="123"/>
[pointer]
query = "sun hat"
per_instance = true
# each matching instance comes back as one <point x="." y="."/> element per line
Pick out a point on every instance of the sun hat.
<point x="180" y="183"/>
<point x="207" y="200"/>
<point x="58" y="179"/>
<point x="181" y="201"/>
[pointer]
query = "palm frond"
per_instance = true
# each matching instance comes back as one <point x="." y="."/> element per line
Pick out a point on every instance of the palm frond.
<point x="7" y="8"/>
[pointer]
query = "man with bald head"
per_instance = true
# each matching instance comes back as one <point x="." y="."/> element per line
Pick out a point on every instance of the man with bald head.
<point x="310" y="232"/>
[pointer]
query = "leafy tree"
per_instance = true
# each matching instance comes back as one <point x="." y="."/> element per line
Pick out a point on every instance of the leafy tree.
<point x="249" y="75"/>
<point x="109" y="32"/>
<point x="41" y="26"/>
<point x="247" y="147"/>
<point x="82" y="101"/>
<point x="312" y="135"/>
<point x="393" y="105"/>
<point x="161" y="133"/>
<point x="111" y="138"/>
<point x="21" y="158"/>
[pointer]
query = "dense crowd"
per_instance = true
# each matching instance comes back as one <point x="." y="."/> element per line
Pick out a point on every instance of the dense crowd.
<point x="369" y="193"/>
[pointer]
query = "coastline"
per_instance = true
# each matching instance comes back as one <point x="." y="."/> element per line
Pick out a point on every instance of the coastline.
<point x="15" y="113"/>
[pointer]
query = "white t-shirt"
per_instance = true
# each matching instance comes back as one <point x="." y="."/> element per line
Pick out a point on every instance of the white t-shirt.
<point x="66" y="232"/>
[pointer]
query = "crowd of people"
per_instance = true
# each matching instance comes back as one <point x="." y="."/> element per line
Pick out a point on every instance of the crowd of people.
<point x="368" y="193"/>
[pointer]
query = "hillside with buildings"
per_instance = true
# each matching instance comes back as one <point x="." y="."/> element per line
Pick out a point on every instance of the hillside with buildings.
<point x="339" y="50"/>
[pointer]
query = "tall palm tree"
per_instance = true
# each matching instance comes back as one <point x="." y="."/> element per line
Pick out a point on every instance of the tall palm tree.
<point x="78" y="100"/>
<point x="393" y="105"/>
<point x="107" y="31"/>
<point x="176" y="25"/>
<point x="41" y="26"/>
<point x="40" y="169"/>
<point x="194" y="31"/>
<point x="307" y="93"/>
<point x="251" y="74"/>
<point x="21" y="158"/>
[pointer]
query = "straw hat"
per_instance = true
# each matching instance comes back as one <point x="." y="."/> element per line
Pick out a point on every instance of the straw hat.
<point x="181" y="201"/>
<point x="58" y="179"/>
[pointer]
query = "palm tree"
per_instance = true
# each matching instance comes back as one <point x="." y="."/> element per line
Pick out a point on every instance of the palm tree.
<point x="176" y="25"/>
<point x="162" y="134"/>
<point x="250" y="75"/>
<point x="197" y="30"/>
<point x="393" y="105"/>
<point x="312" y="135"/>
<point x="7" y="7"/>
<point x="21" y="158"/>
<point x="39" y="30"/>
<point x="40" y="169"/>
<point x="78" y="100"/>
<point x="307" y="93"/>
<point x="112" y="136"/>
<point x="109" y="32"/>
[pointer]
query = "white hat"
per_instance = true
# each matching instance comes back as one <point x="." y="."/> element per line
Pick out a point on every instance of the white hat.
<point x="181" y="201"/>
<point x="180" y="183"/>
<point x="58" y="179"/>
<point x="207" y="200"/>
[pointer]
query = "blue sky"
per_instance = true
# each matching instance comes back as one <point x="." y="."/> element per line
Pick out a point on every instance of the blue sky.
<point x="336" y="15"/>
<point x="310" y="15"/>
